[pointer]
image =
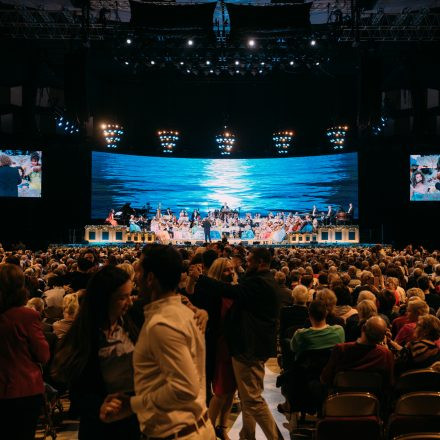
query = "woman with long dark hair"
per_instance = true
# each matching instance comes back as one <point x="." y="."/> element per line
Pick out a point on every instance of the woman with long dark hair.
<point x="23" y="350"/>
<point x="95" y="356"/>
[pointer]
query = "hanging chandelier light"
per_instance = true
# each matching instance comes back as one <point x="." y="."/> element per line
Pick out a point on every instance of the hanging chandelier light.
<point x="282" y="140"/>
<point x="112" y="134"/>
<point x="337" y="135"/>
<point x="168" y="140"/>
<point x="225" y="141"/>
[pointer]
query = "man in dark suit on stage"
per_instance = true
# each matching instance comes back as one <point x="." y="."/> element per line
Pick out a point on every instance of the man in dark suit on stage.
<point x="207" y="229"/>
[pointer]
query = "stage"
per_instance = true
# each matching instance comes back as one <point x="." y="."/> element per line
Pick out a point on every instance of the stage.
<point x="322" y="236"/>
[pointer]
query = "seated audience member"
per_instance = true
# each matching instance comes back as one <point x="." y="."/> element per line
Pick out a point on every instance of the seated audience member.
<point x="386" y="302"/>
<point x="320" y="335"/>
<point x="330" y="300"/>
<point x="412" y="279"/>
<point x="366" y="309"/>
<point x="78" y="280"/>
<point x="343" y="309"/>
<point x="70" y="308"/>
<point x="432" y="298"/>
<point x="285" y="294"/>
<point x="366" y="283"/>
<point x="23" y="349"/>
<point x="412" y="294"/>
<point x="295" y="278"/>
<point x="365" y="354"/>
<point x="294" y="317"/>
<point x="415" y="309"/>
<point x="366" y="294"/>
<point x="53" y="297"/>
<point x="309" y="282"/>
<point x="424" y="349"/>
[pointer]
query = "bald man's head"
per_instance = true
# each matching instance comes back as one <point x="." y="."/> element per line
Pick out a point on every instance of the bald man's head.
<point x="375" y="329"/>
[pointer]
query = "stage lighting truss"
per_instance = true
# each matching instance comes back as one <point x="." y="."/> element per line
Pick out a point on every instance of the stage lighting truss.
<point x="336" y="136"/>
<point x="112" y="134"/>
<point x="225" y="142"/>
<point x="168" y="140"/>
<point x="282" y="140"/>
<point x="64" y="126"/>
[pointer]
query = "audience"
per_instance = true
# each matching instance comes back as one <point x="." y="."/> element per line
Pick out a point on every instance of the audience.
<point x="239" y="295"/>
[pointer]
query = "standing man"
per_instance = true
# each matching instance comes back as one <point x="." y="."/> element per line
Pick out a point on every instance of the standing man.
<point x="251" y="335"/>
<point x="329" y="215"/>
<point x="207" y="229"/>
<point x="350" y="212"/>
<point x="168" y="359"/>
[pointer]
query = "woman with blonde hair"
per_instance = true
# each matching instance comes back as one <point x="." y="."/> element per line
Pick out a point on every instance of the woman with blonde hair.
<point x="70" y="308"/>
<point x="223" y="383"/>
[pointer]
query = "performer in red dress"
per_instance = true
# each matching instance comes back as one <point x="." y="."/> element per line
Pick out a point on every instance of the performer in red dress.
<point x="110" y="220"/>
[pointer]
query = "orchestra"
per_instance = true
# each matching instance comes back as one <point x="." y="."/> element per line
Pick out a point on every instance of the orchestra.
<point x="228" y="223"/>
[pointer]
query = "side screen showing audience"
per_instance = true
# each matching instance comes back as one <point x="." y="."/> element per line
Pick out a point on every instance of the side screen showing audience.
<point x="425" y="178"/>
<point x="20" y="173"/>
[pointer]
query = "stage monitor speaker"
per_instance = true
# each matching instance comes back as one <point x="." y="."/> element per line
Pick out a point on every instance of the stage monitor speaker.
<point x="257" y="242"/>
<point x="199" y="243"/>
<point x="244" y="243"/>
<point x="187" y="243"/>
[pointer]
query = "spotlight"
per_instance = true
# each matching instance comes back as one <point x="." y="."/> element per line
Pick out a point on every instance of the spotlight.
<point x="251" y="43"/>
<point x="128" y="41"/>
<point x="112" y="134"/>
<point x="237" y="71"/>
<point x="237" y="63"/>
<point x="126" y="63"/>
<point x="181" y="63"/>
<point x="317" y="63"/>
<point x="282" y="140"/>
<point x="379" y="126"/>
<point x="291" y="63"/>
<point x="64" y="126"/>
<point x="152" y="62"/>
<point x="225" y="141"/>
<point x="190" y="42"/>
<point x="313" y="43"/>
<point x="211" y="71"/>
<point x="208" y="62"/>
<point x="336" y="136"/>
<point x="168" y="140"/>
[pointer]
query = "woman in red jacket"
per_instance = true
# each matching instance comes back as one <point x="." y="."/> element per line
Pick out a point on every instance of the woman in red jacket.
<point x="23" y="349"/>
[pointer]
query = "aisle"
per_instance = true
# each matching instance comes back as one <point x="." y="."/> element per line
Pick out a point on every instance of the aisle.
<point x="273" y="397"/>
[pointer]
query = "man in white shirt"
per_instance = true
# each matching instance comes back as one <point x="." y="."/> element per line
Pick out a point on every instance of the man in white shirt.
<point x="169" y="359"/>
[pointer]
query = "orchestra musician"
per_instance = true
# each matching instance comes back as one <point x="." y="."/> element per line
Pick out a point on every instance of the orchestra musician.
<point x="350" y="212"/>
<point x="110" y="220"/>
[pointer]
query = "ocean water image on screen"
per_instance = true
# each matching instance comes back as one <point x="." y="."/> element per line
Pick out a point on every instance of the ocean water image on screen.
<point x="251" y="185"/>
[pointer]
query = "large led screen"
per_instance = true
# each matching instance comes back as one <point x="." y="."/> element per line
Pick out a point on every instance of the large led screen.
<point x="250" y="185"/>
<point x="20" y="173"/>
<point x="424" y="178"/>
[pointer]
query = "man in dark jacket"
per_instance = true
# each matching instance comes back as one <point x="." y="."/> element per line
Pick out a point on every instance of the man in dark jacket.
<point x="9" y="177"/>
<point x="251" y="330"/>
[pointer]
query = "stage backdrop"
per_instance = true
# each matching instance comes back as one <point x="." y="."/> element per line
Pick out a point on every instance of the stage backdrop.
<point x="253" y="185"/>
